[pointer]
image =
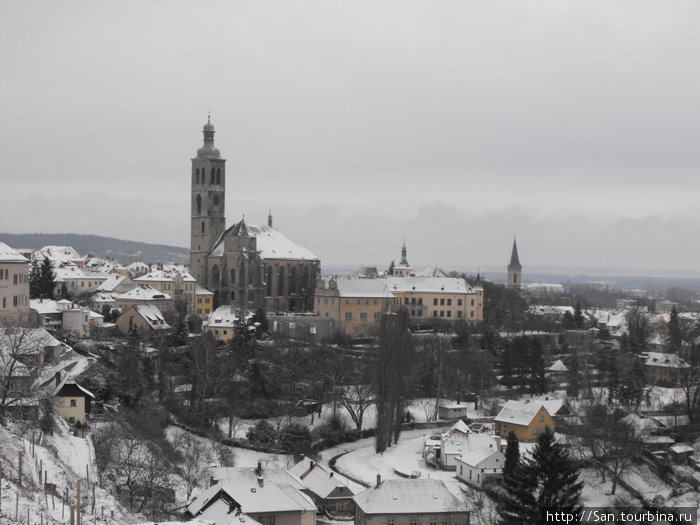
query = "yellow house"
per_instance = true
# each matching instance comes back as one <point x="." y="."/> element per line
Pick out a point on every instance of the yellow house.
<point x="444" y="298"/>
<point x="526" y="419"/>
<point x="203" y="301"/>
<point x="356" y="305"/>
<point x="222" y="322"/>
<point x="180" y="285"/>
<point x="72" y="401"/>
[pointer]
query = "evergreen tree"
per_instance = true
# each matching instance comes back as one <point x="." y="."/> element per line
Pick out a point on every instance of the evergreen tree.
<point x="34" y="280"/>
<point x="579" y="320"/>
<point x="675" y="336"/>
<point x="47" y="281"/>
<point x="538" y="381"/>
<point x="512" y="458"/>
<point x="568" y="322"/>
<point x="546" y="480"/>
<point x="106" y="313"/>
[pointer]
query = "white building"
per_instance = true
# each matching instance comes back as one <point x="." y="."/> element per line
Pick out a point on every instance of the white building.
<point x="14" y="283"/>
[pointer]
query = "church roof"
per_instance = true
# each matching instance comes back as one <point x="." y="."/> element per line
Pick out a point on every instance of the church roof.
<point x="271" y="243"/>
<point x="514" y="259"/>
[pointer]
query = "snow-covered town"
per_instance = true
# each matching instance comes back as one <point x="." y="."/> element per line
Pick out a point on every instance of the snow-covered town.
<point x="349" y="263"/>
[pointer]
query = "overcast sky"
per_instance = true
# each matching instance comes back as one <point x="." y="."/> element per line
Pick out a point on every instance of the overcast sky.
<point x="454" y="124"/>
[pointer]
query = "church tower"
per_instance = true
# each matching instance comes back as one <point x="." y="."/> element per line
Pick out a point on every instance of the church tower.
<point x="515" y="269"/>
<point x="208" y="198"/>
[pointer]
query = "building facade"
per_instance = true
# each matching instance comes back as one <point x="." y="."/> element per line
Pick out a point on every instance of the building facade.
<point x="14" y="284"/>
<point x="246" y="266"/>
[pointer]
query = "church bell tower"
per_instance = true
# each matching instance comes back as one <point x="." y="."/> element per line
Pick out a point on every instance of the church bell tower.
<point x="207" y="206"/>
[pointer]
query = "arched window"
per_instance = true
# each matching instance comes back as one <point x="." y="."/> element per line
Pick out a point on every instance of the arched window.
<point x="213" y="173"/>
<point x="202" y="226"/>
<point x="215" y="275"/>
<point x="293" y="281"/>
<point x="218" y="175"/>
<point x="233" y="277"/>
<point x="199" y="205"/>
<point x="268" y="281"/>
<point x="280" y="282"/>
<point x="241" y="275"/>
<point x="196" y="179"/>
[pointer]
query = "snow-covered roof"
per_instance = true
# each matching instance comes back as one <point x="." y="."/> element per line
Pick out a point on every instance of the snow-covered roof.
<point x="161" y="276"/>
<point x="558" y="366"/>
<point x="460" y="426"/>
<point x="57" y="254"/>
<point x="199" y="290"/>
<point x="238" y="475"/>
<point x="152" y="316"/>
<point x="219" y="513"/>
<point x="144" y="292"/>
<point x="318" y="479"/>
<point x="518" y="413"/>
<point x="10" y="255"/>
<point x="476" y="457"/>
<point x="362" y="288"/>
<point x="543" y="309"/>
<point x="225" y="316"/>
<point x="70" y="380"/>
<point x="664" y="360"/>
<point x="427" y="284"/>
<point x="255" y="498"/>
<point x="430" y="271"/>
<point x="113" y="280"/>
<point x="271" y="243"/>
<point x="28" y="340"/>
<point x="682" y="448"/>
<point x="408" y="496"/>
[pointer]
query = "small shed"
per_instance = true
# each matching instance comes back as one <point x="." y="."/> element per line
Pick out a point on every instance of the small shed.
<point x="680" y="453"/>
<point x="452" y="411"/>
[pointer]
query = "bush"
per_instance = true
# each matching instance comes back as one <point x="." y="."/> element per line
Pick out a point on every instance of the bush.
<point x="262" y="432"/>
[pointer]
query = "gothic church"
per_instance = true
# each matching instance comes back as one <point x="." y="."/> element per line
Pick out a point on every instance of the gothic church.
<point x="245" y="265"/>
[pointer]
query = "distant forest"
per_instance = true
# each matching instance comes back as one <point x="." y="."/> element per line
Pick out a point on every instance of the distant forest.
<point x="118" y="249"/>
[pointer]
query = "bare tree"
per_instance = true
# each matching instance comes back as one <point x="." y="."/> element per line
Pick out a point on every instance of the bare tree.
<point x="196" y="455"/>
<point x="20" y="362"/>
<point x="357" y="398"/>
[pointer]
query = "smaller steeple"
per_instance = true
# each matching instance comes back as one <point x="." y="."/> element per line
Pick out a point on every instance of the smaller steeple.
<point x="514" y="267"/>
<point x="208" y="149"/>
<point x="404" y="261"/>
<point x="269" y="218"/>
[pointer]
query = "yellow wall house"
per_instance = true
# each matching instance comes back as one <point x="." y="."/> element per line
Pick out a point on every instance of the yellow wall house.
<point x="203" y="301"/>
<point x="14" y="284"/>
<point x="179" y="285"/>
<point x="356" y="305"/>
<point x="222" y="322"/>
<point x="72" y="401"/>
<point x="527" y="420"/>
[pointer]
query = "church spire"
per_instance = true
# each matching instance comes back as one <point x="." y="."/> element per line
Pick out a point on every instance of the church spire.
<point x="269" y="217"/>
<point x="514" y="259"/>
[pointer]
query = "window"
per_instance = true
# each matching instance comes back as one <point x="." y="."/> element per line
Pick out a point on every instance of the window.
<point x="225" y="332"/>
<point x="390" y="522"/>
<point x="325" y="300"/>
<point x="202" y="226"/>
<point x="449" y="302"/>
<point x="206" y="300"/>
<point x="366" y="302"/>
<point x="459" y="302"/>
<point x="71" y="420"/>
<point x="199" y="204"/>
<point x="211" y="179"/>
<point x="375" y="302"/>
<point x="348" y="316"/>
<point x="442" y="313"/>
<point x="434" y="313"/>
<point x="435" y="302"/>
<point x="218" y="175"/>
<point x="4" y="302"/>
<point x="471" y="314"/>
<point x="420" y="300"/>
<point x="358" y="301"/>
<point x="74" y="402"/>
<point x="363" y="316"/>
<point x="449" y="313"/>
<point x="459" y="313"/>
<point x="196" y="179"/>
<point x="199" y="300"/>
<point x="442" y="302"/>
<point x="472" y="302"/>
<point x="15" y="279"/>
<point x="14" y="301"/>
<point x="377" y="315"/>
<point x="413" y="300"/>
<point x="541" y="419"/>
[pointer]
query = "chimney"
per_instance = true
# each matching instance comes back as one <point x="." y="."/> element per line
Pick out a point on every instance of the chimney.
<point x="379" y="481"/>
<point x="261" y="481"/>
<point x="311" y="464"/>
<point x="58" y="378"/>
<point x="258" y="470"/>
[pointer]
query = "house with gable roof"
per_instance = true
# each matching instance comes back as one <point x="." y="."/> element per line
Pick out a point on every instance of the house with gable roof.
<point x="14" y="283"/>
<point x="409" y="502"/>
<point x="481" y="466"/>
<point x="526" y="419"/>
<point x="147" y="319"/>
<point x="328" y="492"/>
<point x="178" y="284"/>
<point x="72" y="401"/>
<point x="269" y="496"/>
